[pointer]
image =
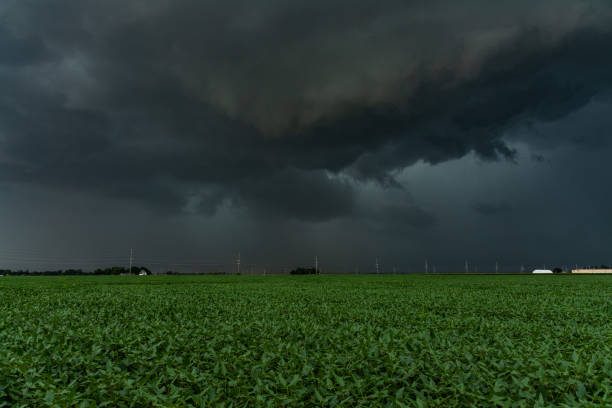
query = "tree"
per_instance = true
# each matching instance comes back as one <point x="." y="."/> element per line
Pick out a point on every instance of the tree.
<point x="303" y="271"/>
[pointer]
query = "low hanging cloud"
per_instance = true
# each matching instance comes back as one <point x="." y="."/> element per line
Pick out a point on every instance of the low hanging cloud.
<point x="186" y="104"/>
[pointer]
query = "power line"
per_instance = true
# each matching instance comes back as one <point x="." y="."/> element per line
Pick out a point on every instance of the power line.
<point x="131" y="258"/>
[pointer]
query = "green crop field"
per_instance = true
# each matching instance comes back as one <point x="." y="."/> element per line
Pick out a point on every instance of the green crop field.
<point x="244" y="341"/>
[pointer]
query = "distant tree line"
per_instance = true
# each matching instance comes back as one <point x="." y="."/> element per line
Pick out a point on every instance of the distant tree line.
<point x="197" y="273"/>
<point x="115" y="270"/>
<point x="118" y="270"/>
<point x="304" y="271"/>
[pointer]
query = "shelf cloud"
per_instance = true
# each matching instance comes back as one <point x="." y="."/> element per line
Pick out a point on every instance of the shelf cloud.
<point x="288" y="110"/>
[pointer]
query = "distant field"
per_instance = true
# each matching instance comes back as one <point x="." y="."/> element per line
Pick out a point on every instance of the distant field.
<point x="397" y="340"/>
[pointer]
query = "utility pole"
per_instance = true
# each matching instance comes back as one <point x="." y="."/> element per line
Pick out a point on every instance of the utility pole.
<point x="426" y="267"/>
<point x="131" y="259"/>
<point x="238" y="264"/>
<point x="316" y="264"/>
<point x="496" y="267"/>
<point x="377" y="270"/>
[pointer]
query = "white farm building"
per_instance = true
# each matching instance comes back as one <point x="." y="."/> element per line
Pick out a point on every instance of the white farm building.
<point x="540" y="271"/>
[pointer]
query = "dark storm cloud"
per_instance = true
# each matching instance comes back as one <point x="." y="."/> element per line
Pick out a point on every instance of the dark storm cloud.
<point x="308" y="195"/>
<point x="492" y="208"/>
<point x="20" y="51"/>
<point x="396" y="218"/>
<point x="588" y="128"/>
<point x="186" y="104"/>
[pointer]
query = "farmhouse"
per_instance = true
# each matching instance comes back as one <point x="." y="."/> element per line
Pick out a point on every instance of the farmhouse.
<point x="592" y="271"/>
<point x="538" y="271"/>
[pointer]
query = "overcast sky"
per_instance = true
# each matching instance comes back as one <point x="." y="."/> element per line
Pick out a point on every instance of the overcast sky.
<point x="402" y="131"/>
